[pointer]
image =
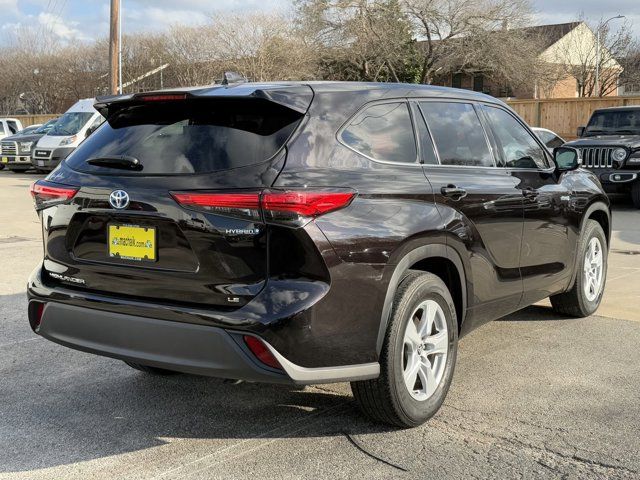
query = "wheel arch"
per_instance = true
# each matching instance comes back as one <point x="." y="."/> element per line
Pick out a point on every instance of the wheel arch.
<point x="438" y="259"/>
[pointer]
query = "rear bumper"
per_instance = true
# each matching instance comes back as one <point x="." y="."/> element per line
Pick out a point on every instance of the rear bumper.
<point x="175" y="345"/>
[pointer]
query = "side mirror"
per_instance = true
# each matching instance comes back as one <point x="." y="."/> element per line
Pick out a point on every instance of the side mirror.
<point x="580" y="131"/>
<point x="566" y="158"/>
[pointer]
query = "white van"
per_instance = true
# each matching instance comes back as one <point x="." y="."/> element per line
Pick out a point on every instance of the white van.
<point x="70" y="129"/>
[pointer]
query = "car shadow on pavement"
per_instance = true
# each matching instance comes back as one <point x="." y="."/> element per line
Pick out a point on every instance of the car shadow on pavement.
<point x="59" y="406"/>
<point x="535" y="313"/>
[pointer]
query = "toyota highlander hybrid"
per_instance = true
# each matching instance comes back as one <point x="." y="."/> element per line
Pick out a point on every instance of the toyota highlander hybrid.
<point x="312" y="232"/>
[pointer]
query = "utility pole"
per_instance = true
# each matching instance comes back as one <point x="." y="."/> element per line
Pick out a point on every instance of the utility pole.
<point x="114" y="47"/>
<point x="598" y="48"/>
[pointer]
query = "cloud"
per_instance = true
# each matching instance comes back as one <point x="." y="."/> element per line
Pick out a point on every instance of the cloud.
<point x="9" y="6"/>
<point x="61" y="28"/>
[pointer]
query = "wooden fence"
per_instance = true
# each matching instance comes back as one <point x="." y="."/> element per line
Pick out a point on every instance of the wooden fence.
<point x="27" y="120"/>
<point x="565" y="115"/>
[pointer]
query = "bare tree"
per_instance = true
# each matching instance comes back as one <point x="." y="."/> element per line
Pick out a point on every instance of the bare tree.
<point x="577" y="54"/>
<point x="359" y="39"/>
<point x="448" y="28"/>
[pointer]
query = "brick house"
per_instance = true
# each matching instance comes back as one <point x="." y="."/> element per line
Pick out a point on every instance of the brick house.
<point x="559" y="45"/>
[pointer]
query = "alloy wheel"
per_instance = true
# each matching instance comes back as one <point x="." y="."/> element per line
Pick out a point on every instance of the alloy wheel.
<point x="592" y="276"/>
<point x="426" y="344"/>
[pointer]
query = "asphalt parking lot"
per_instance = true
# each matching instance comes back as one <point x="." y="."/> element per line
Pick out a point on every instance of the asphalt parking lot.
<point x="535" y="396"/>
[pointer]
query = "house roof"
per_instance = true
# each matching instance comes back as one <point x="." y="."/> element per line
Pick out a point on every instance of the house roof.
<point x="549" y="34"/>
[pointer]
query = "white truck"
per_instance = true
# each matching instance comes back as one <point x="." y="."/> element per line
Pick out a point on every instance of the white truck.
<point x="9" y="126"/>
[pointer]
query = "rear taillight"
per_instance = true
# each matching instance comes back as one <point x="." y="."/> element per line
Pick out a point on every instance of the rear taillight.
<point x="261" y="352"/>
<point x="46" y="193"/>
<point x="240" y="204"/>
<point x="294" y="208"/>
<point x="298" y="207"/>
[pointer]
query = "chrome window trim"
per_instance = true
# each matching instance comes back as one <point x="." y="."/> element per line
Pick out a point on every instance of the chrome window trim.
<point x="344" y="126"/>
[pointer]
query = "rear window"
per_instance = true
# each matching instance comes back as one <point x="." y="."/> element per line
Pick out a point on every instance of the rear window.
<point x="190" y="136"/>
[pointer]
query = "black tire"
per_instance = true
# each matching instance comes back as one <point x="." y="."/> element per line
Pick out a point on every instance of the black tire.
<point x="635" y="194"/>
<point x="386" y="399"/>
<point x="575" y="303"/>
<point x="151" y="370"/>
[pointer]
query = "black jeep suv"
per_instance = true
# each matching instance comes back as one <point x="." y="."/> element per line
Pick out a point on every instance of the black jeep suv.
<point x="610" y="147"/>
<point x="312" y="233"/>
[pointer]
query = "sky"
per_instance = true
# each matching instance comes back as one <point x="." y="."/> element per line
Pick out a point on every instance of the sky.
<point x="84" y="20"/>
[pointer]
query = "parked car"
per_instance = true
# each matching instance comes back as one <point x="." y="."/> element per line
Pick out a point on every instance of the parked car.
<point x="68" y="132"/>
<point x="8" y="126"/>
<point x="16" y="149"/>
<point x="312" y="233"/>
<point x="30" y="128"/>
<point x="610" y="148"/>
<point x="550" y="139"/>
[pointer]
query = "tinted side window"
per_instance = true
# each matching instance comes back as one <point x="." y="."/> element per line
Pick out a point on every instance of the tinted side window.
<point x="458" y="133"/>
<point x="383" y="132"/>
<point x="427" y="152"/>
<point x="519" y="148"/>
<point x="13" y="126"/>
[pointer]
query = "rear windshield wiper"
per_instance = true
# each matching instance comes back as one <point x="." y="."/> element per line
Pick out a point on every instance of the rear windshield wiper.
<point x="123" y="162"/>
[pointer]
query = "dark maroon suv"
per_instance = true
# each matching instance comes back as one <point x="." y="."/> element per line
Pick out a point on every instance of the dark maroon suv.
<point x="312" y="233"/>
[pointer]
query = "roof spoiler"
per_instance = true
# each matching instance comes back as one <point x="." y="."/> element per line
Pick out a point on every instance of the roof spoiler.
<point x="297" y="97"/>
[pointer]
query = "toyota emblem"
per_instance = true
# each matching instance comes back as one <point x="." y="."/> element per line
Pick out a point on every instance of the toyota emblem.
<point x="119" y="199"/>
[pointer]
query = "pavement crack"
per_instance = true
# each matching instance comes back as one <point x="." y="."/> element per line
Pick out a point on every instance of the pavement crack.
<point x="356" y="443"/>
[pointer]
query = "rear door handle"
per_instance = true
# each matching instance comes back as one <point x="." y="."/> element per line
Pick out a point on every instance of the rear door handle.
<point x="453" y="192"/>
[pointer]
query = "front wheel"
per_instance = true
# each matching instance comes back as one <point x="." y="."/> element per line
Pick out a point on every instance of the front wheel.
<point x="585" y="296"/>
<point x="418" y="355"/>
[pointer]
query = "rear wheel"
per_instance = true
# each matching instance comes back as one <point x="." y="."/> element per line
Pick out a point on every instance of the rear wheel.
<point x="418" y="355"/>
<point x="635" y="194"/>
<point x="585" y="296"/>
<point x="151" y="370"/>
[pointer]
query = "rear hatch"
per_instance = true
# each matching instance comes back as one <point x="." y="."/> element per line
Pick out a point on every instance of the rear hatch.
<point x="133" y="229"/>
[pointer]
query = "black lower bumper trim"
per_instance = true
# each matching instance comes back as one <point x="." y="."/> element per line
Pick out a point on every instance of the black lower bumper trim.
<point x="189" y="348"/>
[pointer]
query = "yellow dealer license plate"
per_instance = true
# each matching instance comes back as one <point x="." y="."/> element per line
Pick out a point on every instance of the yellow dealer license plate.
<point x="131" y="242"/>
<point x="5" y="160"/>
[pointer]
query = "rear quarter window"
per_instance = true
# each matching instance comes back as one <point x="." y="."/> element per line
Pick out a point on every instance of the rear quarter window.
<point x="190" y="136"/>
<point x="382" y="132"/>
